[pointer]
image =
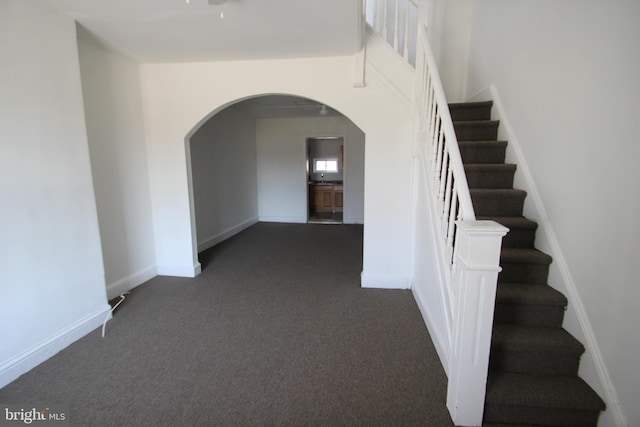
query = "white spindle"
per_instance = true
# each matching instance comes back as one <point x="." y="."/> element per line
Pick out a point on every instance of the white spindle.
<point x="396" y="20"/>
<point x="385" y="28"/>
<point x="446" y="223"/>
<point x="405" y="30"/>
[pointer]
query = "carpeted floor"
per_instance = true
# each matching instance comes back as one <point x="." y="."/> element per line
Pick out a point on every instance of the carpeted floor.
<point x="275" y="332"/>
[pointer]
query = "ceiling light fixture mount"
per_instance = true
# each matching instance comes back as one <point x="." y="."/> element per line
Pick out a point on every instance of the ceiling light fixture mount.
<point x="218" y="3"/>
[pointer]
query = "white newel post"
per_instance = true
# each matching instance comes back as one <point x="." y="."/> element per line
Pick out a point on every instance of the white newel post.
<point x="476" y="268"/>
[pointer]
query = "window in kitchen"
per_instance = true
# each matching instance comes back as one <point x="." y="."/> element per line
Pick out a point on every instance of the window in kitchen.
<point x="325" y="165"/>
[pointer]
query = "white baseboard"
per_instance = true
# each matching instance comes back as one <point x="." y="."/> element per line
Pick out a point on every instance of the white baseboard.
<point x="179" y="271"/>
<point x="534" y="208"/>
<point x="127" y="283"/>
<point x="211" y="241"/>
<point x="287" y="219"/>
<point x="353" y="220"/>
<point x="31" y="358"/>
<point x="384" y="281"/>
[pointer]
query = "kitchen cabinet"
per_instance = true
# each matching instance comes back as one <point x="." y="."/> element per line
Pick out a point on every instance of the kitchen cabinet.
<point x="326" y="198"/>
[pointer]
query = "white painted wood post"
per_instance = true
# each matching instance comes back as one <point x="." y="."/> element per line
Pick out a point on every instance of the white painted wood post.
<point x="475" y="275"/>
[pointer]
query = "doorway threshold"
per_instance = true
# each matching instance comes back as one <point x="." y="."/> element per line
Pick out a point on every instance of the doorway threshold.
<point x="325" y="218"/>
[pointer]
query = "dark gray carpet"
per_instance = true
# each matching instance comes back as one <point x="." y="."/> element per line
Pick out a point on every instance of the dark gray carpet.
<point x="275" y="332"/>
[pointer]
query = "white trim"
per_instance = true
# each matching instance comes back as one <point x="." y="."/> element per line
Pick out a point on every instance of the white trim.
<point x="287" y="219"/>
<point x="535" y="209"/>
<point x="127" y="283"/>
<point x="211" y="241"/>
<point x="384" y="281"/>
<point x="37" y="354"/>
<point x="353" y="220"/>
<point x="179" y="271"/>
<point x="359" y="67"/>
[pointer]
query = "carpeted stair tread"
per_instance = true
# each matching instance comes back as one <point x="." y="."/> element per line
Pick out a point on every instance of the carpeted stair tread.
<point x="522" y="231"/>
<point x="476" y="130"/>
<point x="490" y="175"/>
<point x="471" y="110"/>
<point x="524" y="255"/>
<point x="482" y="151"/>
<point x="497" y="202"/>
<point x="511" y="221"/>
<point x="529" y="305"/>
<point x="524" y="265"/>
<point x="489" y="167"/>
<point x="523" y="293"/>
<point x="525" y="337"/>
<point x="546" y="391"/>
<point x="534" y="350"/>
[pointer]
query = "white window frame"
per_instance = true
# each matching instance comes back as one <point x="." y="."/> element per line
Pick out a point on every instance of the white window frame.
<point x="325" y="160"/>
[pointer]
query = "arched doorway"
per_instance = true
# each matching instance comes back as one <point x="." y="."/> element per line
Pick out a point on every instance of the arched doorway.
<point x="248" y="162"/>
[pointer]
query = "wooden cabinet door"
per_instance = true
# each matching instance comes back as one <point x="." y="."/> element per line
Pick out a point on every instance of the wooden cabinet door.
<point x="338" y="199"/>
<point x="326" y="199"/>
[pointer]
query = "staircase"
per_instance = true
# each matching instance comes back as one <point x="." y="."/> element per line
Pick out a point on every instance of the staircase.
<point x="533" y="362"/>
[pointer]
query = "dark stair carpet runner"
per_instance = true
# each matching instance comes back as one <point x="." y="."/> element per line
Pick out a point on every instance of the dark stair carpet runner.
<point x="533" y="367"/>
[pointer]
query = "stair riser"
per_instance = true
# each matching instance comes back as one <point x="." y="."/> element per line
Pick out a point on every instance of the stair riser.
<point x="486" y="205"/>
<point x="529" y="315"/>
<point x="476" y="132"/>
<point x="482" y="153"/>
<point x="535" y="274"/>
<point x="508" y="414"/>
<point x="519" y="238"/>
<point x="535" y="361"/>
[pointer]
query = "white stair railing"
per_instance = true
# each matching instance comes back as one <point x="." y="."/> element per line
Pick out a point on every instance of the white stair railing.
<point x="397" y="22"/>
<point x="469" y="249"/>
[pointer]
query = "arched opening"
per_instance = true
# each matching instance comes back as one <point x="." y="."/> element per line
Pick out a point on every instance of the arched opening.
<point x="250" y="162"/>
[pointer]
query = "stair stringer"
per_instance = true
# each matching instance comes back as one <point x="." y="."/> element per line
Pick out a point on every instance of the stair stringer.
<point x="593" y="369"/>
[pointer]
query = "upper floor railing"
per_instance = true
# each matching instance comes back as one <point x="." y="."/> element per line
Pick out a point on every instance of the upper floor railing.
<point x="397" y="22"/>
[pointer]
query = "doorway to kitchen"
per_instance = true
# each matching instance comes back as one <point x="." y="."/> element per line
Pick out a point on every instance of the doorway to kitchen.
<point x="325" y="172"/>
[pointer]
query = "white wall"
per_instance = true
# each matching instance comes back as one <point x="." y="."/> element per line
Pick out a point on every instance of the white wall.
<point x="449" y="29"/>
<point x="52" y="289"/>
<point x="113" y="110"/>
<point x="282" y="172"/>
<point x="567" y="73"/>
<point x="354" y="173"/>
<point x="223" y="168"/>
<point x="177" y="97"/>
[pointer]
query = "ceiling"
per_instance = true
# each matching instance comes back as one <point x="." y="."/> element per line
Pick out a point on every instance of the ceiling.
<point x="149" y="31"/>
